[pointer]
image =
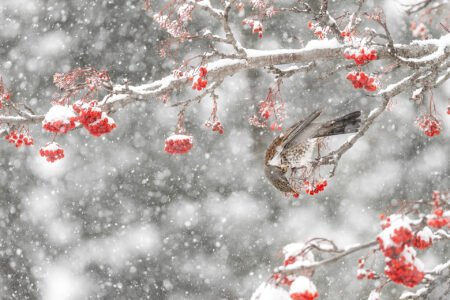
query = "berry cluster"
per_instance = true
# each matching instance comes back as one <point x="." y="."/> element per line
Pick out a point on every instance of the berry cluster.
<point x="272" y="106"/>
<point x="395" y="236"/>
<point x="315" y="187"/>
<point x="405" y="269"/>
<point x="255" y="25"/>
<point x="199" y="82"/>
<point x="93" y="118"/>
<point x="362" y="80"/>
<point x="448" y="109"/>
<point x="303" y="289"/>
<point x="19" y="139"/>
<point x="52" y="151"/>
<point x="102" y="126"/>
<point x="216" y="126"/>
<point x="419" y="30"/>
<point x="364" y="273"/>
<point x="437" y="219"/>
<point x="60" y="119"/>
<point x="275" y="126"/>
<point x="361" y="55"/>
<point x="396" y="241"/>
<point x="319" y="32"/>
<point x="346" y="34"/>
<point x="429" y="125"/>
<point x="423" y="238"/>
<point x="294" y="254"/>
<point x="178" y="144"/>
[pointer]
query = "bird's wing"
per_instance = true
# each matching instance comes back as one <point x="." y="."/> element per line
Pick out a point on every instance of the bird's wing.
<point x="299" y="131"/>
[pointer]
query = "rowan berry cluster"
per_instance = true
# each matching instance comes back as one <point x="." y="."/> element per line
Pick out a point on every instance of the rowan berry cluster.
<point x="303" y="289"/>
<point x="405" y="269"/>
<point x="423" y="239"/>
<point x="255" y="25"/>
<point x="19" y="139"/>
<point x="429" y="125"/>
<point x="215" y="126"/>
<point x="273" y="106"/>
<point x="315" y="187"/>
<point x="198" y="81"/>
<point x="178" y="144"/>
<point x="437" y="219"/>
<point x="60" y="119"/>
<point x="362" y="80"/>
<point x="318" y="31"/>
<point x="419" y="30"/>
<point x="361" y="55"/>
<point x="365" y="273"/>
<point x="293" y="254"/>
<point x="346" y="34"/>
<point x="52" y="152"/>
<point x="93" y="118"/>
<point x="396" y="241"/>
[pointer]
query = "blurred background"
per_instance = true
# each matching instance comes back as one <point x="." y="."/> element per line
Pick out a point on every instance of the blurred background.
<point x="118" y="218"/>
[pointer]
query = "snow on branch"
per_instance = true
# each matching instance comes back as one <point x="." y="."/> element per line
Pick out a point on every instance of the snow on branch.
<point x="403" y="235"/>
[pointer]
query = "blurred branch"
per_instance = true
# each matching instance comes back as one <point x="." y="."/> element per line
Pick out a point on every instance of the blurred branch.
<point x="416" y="7"/>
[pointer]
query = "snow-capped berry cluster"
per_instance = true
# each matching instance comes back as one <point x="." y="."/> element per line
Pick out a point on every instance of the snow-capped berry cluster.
<point x="303" y="289"/>
<point x="318" y="31"/>
<point x="103" y="125"/>
<point x="178" y="144"/>
<point x="198" y="81"/>
<point x="361" y="55"/>
<point x="52" y="152"/>
<point x="363" y="273"/>
<point x="362" y="80"/>
<point x="294" y="255"/>
<point x="395" y="236"/>
<point x="437" y="222"/>
<point x="19" y="139"/>
<point x="63" y="118"/>
<point x="60" y="119"/>
<point x="423" y="239"/>
<point x="93" y="118"/>
<point x="406" y="268"/>
<point x="255" y="25"/>
<point x="396" y="241"/>
<point x="429" y="125"/>
<point x="313" y="188"/>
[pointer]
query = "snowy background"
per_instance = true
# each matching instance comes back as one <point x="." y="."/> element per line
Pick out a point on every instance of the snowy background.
<point x="120" y="219"/>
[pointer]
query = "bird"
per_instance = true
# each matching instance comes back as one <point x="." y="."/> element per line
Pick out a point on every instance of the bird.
<point x="288" y="161"/>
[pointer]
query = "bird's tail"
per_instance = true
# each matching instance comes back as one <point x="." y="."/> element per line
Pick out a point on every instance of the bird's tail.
<point x="349" y="123"/>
